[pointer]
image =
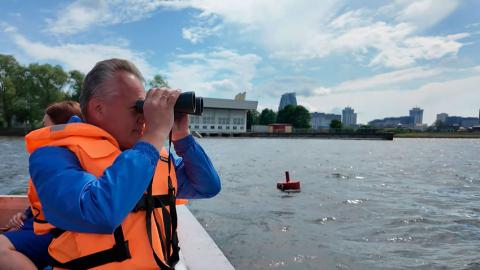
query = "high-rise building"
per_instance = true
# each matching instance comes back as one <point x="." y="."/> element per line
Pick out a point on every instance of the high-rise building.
<point x="287" y="99"/>
<point x="417" y="116"/>
<point x="442" y="117"/>
<point x="240" y="96"/>
<point x="349" y="117"/>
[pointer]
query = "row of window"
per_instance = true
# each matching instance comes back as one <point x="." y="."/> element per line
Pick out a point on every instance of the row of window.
<point x="213" y="127"/>
<point x="220" y="120"/>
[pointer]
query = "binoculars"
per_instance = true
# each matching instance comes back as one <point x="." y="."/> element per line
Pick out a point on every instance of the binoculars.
<point x="186" y="103"/>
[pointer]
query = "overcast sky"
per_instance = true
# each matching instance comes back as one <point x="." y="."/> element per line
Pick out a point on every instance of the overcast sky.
<point x="380" y="57"/>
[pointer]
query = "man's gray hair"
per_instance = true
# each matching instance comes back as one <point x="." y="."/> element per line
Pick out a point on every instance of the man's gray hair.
<point x="102" y="71"/>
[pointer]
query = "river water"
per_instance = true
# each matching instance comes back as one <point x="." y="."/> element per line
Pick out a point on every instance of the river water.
<point x="402" y="204"/>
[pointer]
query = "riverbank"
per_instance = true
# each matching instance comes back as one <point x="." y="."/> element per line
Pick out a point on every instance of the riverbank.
<point x="353" y="136"/>
<point x="438" y="135"/>
<point x="15" y="132"/>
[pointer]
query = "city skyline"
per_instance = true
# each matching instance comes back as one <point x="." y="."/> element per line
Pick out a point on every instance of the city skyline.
<point x="416" y="113"/>
<point x="379" y="57"/>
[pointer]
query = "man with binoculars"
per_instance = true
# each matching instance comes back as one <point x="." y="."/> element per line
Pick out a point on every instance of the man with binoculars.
<point x="107" y="188"/>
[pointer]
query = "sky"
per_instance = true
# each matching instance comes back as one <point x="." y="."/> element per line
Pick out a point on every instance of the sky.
<point x="379" y="57"/>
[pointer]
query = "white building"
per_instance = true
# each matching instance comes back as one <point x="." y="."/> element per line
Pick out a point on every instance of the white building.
<point x="417" y="116"/>
<point x="323" y="120"/>
<point x="349" y="117"/>
<point x="222" y="116"/>
<point x="442" y="117"/>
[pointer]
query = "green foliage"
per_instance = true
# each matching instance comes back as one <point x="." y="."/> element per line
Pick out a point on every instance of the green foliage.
<point x="157" y="81"/>
<point x="48" y="81"/>
<point x="366" y="129"/>
<point x="253" y="118"/>
<point x="298" y="116"/>
<point x="336" y="124"/>
<point x="301" y="117"/>
<point x="286" y="115"/>
<point x="267" y="117"/>
<point x="25" y="91"/>
<point x="74" y="84"/>
<point x="9" y="72"/>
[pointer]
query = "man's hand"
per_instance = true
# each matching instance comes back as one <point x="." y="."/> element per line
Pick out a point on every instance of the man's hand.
<point x="158" y="113"/>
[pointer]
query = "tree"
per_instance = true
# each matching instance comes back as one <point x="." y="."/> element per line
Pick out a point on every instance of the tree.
<point x="25" y="91"/>
<point x="42" y="85"/>
<point x="366" y="129"/>
<point x="252" y="118"/>
<point x="336" y="124"/>
<point x="74" y="84"/>
<point x="301" y="117"/>
<point x="286" y="115"/>
<point x="157" y="81"/>
<point x="9" y="68"/>
<point x="267" y="117"/>
<point x="297" y="116"/>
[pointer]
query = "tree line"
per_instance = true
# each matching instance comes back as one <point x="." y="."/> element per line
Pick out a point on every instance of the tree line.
<point x="297" y="116"/>
<point x="25" y="91"/>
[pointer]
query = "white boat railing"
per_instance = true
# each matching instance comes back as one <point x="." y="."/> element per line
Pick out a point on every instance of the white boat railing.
<point x="198" y="250"/>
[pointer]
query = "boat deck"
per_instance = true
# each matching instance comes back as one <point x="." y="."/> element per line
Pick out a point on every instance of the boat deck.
<point x="198" y="250"/>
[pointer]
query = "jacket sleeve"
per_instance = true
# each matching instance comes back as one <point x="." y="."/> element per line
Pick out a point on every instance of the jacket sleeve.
<point x="196" y="176"/>
<point x="76" y="200"/>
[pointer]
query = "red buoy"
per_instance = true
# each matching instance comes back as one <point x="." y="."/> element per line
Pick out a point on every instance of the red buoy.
<point x="288" y="185"/>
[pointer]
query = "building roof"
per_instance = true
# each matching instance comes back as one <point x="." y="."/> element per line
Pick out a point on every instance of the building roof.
<point x="221" y="103"/>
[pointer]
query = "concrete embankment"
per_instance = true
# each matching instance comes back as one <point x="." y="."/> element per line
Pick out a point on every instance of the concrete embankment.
<point x="440" y="135"/>
<point x="347" y="136"/>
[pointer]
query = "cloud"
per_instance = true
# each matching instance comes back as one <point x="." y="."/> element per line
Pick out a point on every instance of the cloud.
<point x="83" y="14"/>
<point x="81" y="57"/>
<point x="413" y="11"/>
<point x="219" y="73"/>
<point x="410" y="50"/>
<point x="389" y="79"/>
<point x="276" y="86"/>
<point x="197" y="34"/>
<point x="391" y="37"/>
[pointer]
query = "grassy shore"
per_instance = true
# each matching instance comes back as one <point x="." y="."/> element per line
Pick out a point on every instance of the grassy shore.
<point x="450" y="135"/>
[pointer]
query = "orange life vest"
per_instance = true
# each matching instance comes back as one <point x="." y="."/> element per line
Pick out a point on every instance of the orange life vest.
<point x="147" y="237"/>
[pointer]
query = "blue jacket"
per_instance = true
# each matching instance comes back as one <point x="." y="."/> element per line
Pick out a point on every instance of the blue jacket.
<point x="75" y="200"/>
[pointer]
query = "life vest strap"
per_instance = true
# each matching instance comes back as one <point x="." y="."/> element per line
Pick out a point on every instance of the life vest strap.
<point x="118" y="253"/>
<point x="157" y="201"/>
<point x="173" y="241"/>
<point x="56" y="232"/>
<point x="169" y="245"/>
<point x="41" y="221"/>
<point x="148" y="222"/>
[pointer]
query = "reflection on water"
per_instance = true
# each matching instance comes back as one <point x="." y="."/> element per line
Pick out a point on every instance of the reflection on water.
<point x="406" y="204"/>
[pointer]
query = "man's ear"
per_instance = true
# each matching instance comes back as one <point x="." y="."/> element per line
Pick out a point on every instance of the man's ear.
<point x="95" y="110"/>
